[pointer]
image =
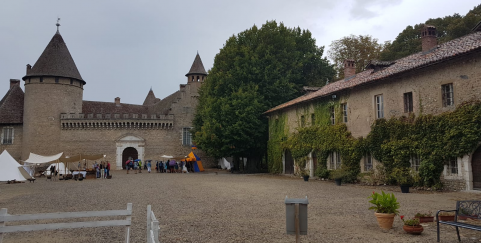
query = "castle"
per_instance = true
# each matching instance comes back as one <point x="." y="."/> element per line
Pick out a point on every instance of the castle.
<point x="51" y="117"/>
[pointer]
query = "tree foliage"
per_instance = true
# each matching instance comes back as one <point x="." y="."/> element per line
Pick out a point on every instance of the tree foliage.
<point x="254" y="71"/>
<point x="360" y="48"/>
<point x="448" y="28"/>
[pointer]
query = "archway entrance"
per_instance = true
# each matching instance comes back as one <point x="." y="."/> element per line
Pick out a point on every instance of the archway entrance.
<point x="129" y="152"/>
<point x="289" y="163"/>
<point x="476" y="169"/>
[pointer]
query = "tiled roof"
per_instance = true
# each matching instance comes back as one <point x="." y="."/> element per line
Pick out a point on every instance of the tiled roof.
<point x="91" y="107"/>
<point x="197" y="67"/>
<point x="442" y="52"/>
<point x="311" y="88"/>
<point x="11" y="106"/>
<point x="55" y="61"/>
<point x="150" y="99"/>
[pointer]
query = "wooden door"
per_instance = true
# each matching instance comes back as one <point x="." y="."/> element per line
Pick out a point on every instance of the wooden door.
<point x="289" y="163"/>
<point x="129" y="152"/>
<point x="315" y="161"/>
<point x="476" y="169"/>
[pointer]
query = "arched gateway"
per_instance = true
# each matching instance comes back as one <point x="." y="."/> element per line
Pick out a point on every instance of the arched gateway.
<point x="129" y="146"/>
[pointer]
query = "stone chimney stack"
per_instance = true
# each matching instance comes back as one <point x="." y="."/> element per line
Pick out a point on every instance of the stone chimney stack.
<point x="29" y="68"/>
<point x="429" y="37"/>
<point x="350" y="69"/>
<point x="14" y="82"/>
<point x="117" y="101"/>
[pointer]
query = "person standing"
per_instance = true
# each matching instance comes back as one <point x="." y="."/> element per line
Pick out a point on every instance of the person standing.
<point x="101" y="168"/>
<point x="157" y="166"/>
<point x="108" y="168"/>
<point x="96" y="169"/>
<point x="149" y="166"/>
<point x="105" y="170"/>
<point x="140" y="166"/>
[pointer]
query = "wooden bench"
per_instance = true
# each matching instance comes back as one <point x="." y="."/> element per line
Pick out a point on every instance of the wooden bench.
<point x="469" y="209"/>
<point x="4" y="217"/>
<point x="31" y="180"/>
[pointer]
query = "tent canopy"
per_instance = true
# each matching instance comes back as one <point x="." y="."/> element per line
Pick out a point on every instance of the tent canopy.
<point x="39" y="159"/>
<point x="77" y="158"/>
<point x="198" y="165"/>
<point x="10" y="168"/>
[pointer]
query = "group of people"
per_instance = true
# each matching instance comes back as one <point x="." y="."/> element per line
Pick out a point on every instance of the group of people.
<point x="102" y="169"/>
<point x="171" y="166"/>
<point x="137" y="165"/>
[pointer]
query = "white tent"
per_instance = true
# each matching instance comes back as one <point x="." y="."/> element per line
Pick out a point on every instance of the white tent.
<point x="9" y="168"/>
<point x="39" y="159"/>
<point x="225" y="164"/>
<point x="60" y="167"/>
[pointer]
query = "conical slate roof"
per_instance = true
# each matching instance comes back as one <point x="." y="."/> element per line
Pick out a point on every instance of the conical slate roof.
<point x="150" y="99"/>
<point x="197" y="67"/>
<point x="55" y="61"/>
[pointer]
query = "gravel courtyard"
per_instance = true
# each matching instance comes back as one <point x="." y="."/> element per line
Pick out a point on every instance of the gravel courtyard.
<point x="209" y="207"/>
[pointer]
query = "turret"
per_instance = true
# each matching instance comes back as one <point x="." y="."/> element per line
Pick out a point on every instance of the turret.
<point x="197" y="73"/>
<point x="53" y="85"/>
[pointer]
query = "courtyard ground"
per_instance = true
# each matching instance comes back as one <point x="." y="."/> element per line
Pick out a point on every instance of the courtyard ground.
<point x="223" y="207"/>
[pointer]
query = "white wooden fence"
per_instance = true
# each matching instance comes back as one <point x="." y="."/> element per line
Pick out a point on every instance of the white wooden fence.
<point x="4" y="217"/>
<point x="152" y="234"/>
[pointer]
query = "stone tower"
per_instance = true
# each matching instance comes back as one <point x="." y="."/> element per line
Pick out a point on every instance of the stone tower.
<point x="52" y="86"/>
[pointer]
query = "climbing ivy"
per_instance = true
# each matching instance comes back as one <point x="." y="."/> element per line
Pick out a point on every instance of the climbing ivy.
<point x="278" y="132"/>
<point x="434" y="138"/>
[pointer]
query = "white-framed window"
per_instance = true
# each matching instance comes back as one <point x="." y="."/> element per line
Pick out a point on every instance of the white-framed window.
<point x="415" y="162"/>
<point x="186" y="136"/>
<point x="335" y="160"/>
<point x="332" y="115"/>
<point x="7" y="135"/>
<point x="345" y="112"/>
<point x="447" y="95"/>
<point x="379" y="106"/>
<point x="407" y="102"/>
<point x="368" y="162"/>
<point x="452" y="166"/>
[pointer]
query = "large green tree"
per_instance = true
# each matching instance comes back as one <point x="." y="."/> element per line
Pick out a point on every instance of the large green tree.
<point x="255" y="70"/>
<point x="360" y="48"/>
<point x="448" y="28"/>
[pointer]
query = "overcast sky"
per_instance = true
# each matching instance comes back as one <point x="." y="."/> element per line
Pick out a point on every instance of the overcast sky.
<point x="123" y="48"/>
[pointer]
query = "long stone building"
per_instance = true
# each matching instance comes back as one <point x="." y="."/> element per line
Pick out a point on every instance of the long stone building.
<point x="433" y="81"/>
<point x="52" y="117"/>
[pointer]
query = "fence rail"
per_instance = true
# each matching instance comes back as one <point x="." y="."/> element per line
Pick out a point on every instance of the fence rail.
<point x="152" y="234"/>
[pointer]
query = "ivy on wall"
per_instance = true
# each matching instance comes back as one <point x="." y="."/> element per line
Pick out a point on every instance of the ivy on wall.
<point x="433" y="138"/>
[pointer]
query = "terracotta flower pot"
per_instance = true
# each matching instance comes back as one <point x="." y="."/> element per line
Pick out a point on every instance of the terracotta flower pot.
<point x="416" y="230"/>
<point x="446" y="218"/>
<point x="385" y="221"/>
<point x="425" y="219"/>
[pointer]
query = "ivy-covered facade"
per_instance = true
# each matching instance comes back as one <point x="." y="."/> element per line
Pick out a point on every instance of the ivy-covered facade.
<point x="421" y="113"/>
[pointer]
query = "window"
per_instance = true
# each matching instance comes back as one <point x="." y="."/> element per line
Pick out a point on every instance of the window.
<point x="345" y="112"/>
<point x="126" y="116"/>
<point x="116" y="116"/>
<point x="303" y="121"/>
<point x="453" y="167"/>
<point x="71" y="81"/>
<point x="134" y="116"/>
<point x="144" y="116"/>
<point x="41" y="79"/>
<point x="107" y="116"/>
<point x="153" y="116"/>
<point x="99" y="116"/>
<point x="56" y="79"/>
<point x="313" y="119"/>
<point x="335" y="160"/>
<point x="368" y="162"/>
<point x="186" y="136"/>
<point x="447" y="95"/>
<point x="90" y="116"/>
<point x="7" y="135"/>
<point x="379" y="106"/>
<point x="332" y="115"/>
<point x="407" y="102"/>
<point x="415" y="162"/>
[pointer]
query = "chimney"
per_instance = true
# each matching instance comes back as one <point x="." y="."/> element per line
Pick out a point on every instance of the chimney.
<point x="14" y="82"/>
<point x="29" y="67"/>
<point x="117" y="101"/>
<point x="350" y="69"/>
<point x="429" y="37"/>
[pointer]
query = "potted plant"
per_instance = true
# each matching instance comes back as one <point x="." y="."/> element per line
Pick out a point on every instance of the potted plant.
<point x="305" y="174"/>
<point x="386" y="207"/>
<point x="338" y="175"/>
<point x="446" y="216"/>
<point x="412" y="226"/>
<point x="405" y="177"/>
<point x="424" y="217"/>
